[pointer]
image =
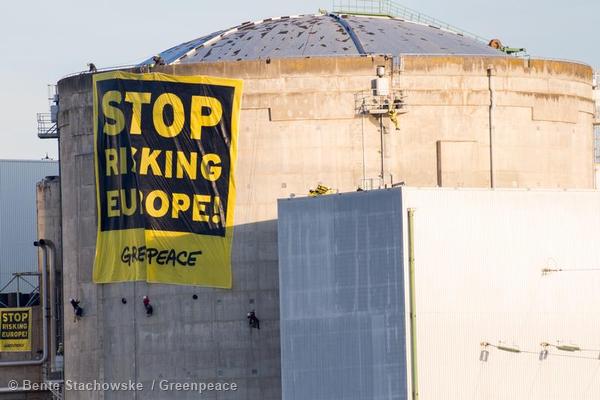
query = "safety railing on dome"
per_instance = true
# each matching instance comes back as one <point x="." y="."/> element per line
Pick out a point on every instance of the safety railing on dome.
<point x="393" y="9"/>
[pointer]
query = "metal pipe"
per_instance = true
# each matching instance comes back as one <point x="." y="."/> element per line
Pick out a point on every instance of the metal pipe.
<point x="348" y="28"/>
<point x="490" y="73"/>
<point x="364" y="165"/>
<point x="413" y="305"/>
<point x="42" y="244"/>
<point x="52" y="299"/>
<point x="382" y="149"/>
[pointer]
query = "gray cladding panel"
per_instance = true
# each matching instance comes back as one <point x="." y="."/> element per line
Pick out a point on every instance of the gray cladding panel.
<point x="342" y="297"/>
<point x="18" y="223"/>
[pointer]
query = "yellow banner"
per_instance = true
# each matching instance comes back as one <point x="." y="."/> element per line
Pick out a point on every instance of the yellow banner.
<point x="165" y="150"/>
<point x="15" y="329"/>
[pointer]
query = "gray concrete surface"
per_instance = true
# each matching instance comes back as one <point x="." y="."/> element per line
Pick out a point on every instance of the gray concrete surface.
<point x="49" y="228"/>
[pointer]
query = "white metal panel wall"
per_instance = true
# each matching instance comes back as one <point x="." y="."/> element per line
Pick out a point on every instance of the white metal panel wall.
<point x="479" y="259"/>
<point x="18" y="228"/>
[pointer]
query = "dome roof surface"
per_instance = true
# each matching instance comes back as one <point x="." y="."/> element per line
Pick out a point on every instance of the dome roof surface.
<point x="323" y="35"/>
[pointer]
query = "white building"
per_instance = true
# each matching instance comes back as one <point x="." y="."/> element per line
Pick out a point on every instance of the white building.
<point x="505" y="288"/>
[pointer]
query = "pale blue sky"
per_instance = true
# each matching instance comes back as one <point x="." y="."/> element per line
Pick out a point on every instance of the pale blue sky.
<point x="41" y="41"/>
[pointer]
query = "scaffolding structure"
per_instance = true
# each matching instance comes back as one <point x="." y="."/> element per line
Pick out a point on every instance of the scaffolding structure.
<point x="22" y="280"/>
<point x="48" y="122"/>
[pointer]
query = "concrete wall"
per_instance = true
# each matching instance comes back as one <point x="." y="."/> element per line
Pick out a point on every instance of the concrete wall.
<point x="49" y="228"/>
<point x="202" y="340"/>
<point x="541" y="122"/>
<point x="299" y="128"/>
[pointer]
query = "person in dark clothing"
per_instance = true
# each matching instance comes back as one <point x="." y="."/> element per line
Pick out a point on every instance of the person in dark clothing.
<point x="78" y="311"/>
<point x="148" y="306"/>
<point x="252" y="320"/>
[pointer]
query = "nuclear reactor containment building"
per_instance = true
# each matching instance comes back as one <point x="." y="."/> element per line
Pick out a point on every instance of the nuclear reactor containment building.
<point x="346" y="101"/>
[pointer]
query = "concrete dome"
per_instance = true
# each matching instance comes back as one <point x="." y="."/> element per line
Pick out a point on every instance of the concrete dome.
<point x="323" y="35"/>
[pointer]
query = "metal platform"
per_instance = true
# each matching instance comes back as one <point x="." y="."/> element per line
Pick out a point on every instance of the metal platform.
<point x="46" y="128"/>
<point x="366" y="102"/>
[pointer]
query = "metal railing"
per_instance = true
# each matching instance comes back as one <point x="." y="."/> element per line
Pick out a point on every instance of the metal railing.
<point x="393" y="9"/>
<point x="125" y="67"/>
<point x="366" y="102"/>
<point x="371" y="183"/>
<point x="46" y="128"/>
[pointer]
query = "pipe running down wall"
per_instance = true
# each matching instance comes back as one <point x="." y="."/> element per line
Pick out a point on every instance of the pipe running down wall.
<point x="413" y="306"/>
<point x="42" y="244"/>
<point x="490" y="74"/>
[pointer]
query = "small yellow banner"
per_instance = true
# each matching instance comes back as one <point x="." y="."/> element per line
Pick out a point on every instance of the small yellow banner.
<point x="15" y="329"/>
